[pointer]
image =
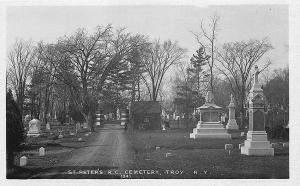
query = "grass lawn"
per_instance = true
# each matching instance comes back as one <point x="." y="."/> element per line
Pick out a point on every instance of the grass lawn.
<point x="202" y="158"/>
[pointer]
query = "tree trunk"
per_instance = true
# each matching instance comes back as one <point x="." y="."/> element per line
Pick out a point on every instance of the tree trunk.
<point x="91" y="123"/>
<point x="46" y="105"/>
<point x="139" y="92"/>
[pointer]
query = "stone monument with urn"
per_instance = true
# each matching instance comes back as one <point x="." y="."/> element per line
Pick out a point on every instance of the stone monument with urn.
<point x="209" y="125"/>
<point x="257" y="143"/>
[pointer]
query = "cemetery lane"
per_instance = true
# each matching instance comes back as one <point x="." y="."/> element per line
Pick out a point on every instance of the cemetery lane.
<point x="109" y="148"/>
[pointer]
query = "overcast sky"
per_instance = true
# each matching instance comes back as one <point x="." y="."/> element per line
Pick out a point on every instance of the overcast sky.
<point x="158" y="22"/>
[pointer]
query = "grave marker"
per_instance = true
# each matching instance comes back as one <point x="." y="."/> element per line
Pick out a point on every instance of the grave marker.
<point x="257" y="143"/>
<point x="209" y="125"/>
<point x="231" y="124"/>
<point x="34" y="128"/>
<point x="42" y="151"/>
<point x="23" y="161"/>
<point x="48" y="126"/>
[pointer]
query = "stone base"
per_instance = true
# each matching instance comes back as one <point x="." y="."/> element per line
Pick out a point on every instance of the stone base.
<point x="33" y="134"/>
<point x="232" y="125"/>
<point x="257" y="144"/>
<point x="85" y="125"/>
<point x="210" y="130"/>
<point x="211" y="136"/>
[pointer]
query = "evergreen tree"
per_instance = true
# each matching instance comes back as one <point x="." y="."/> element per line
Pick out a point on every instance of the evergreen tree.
<point x="198" y="61"/>
<point x="14" y="128"/>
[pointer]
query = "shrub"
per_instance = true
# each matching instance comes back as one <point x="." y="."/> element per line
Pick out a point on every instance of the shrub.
<point x="77" y="116"/>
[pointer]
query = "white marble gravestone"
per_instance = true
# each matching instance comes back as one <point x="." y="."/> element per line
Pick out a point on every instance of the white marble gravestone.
<point x="210" y="125"/>
<point x="48" y="126"/>
<point x="23" y="161"/>
<point x="34" y="127"/>
<point x="42" y="151"/>
<point x="231" y="124"/>
<point x="77" y="127"/>
<point x="257" y="143"/>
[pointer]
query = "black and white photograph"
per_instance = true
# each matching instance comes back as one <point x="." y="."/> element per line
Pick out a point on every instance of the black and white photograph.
<point x="147" y="91"/>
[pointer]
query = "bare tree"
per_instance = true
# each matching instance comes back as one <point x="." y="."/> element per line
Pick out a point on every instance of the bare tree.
<point x="160" y="57"/>
<point x="85" y="62"/>
<point x="207" y="39"/>
<point x="21" y="58"/>
<point x="236" y="61"/>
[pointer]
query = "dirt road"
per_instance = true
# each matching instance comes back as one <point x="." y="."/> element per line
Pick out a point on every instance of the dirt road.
<point x="107" y="156"/>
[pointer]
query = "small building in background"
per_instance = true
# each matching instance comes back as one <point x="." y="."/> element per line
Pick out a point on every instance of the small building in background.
<point x="146" y="115"/>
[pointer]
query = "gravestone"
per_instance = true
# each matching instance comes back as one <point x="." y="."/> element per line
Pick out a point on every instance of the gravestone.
<point x="48" y="126"/>
<point x="23" y="161"/>
<point x="257" y="143"/>
<point x="209" y="125"/>
<point x="118" y="114"/>
<point x="228" y="146"/>
<point x="60" y="136"/>
<point x="285" y="145"/>
<point x="77" y="127"/>
<point x="42" y="151"/>
<point x="231" y="125"/>
<point x="26" y="121"/>
<point x="34" y="128"/>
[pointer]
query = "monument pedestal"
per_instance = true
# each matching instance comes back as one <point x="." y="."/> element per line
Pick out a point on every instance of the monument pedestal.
<point x="233" y="128"/>
<point x="33" y="134"/>
<point x="232" y="125"/>
<point x="210" y="130"/>
<point x="257" y="144"/>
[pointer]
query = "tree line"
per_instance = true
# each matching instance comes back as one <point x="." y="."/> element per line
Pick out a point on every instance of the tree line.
<point x="75" y="73"/>
<point x="227" y="69"/>
<point x="112" y="67"/>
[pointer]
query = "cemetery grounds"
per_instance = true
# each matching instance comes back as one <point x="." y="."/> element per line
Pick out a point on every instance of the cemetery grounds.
<point x="151" y="154"/>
